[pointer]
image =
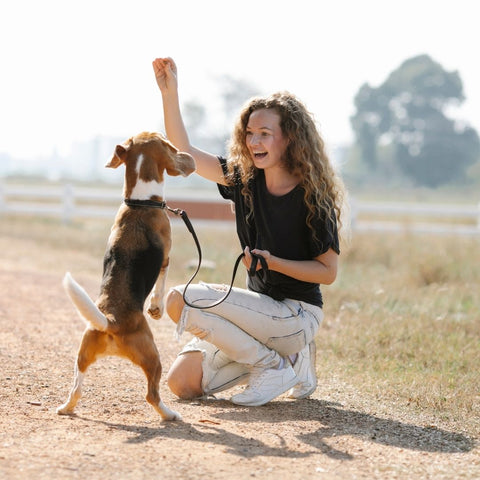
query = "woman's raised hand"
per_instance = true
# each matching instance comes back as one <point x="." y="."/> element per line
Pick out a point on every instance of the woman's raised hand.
<point x="165" y="74"/>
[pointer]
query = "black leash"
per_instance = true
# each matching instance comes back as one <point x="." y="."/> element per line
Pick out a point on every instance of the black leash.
<point x="182" y="213"/>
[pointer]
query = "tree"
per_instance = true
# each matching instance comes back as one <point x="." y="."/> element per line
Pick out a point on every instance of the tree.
<point x="409" y="111"/>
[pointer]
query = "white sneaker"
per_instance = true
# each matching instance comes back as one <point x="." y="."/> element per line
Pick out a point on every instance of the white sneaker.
<point x="265" y="385"/>
<point x="305" y="369"/>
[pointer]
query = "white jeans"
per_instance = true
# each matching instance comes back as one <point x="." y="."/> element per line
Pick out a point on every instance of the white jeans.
<point x="247" y="330"/>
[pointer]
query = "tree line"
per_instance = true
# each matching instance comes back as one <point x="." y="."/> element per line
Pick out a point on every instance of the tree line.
<point x="405" y="122"/>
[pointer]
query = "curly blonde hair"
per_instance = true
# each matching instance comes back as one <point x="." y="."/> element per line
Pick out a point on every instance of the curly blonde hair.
<point x="305" y="155"/>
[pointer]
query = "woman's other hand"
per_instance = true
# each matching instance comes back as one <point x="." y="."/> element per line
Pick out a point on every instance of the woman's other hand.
<point x="248" y="258"/>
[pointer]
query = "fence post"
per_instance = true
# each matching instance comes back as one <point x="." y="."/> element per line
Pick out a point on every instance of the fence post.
<point x="68" y="203"/>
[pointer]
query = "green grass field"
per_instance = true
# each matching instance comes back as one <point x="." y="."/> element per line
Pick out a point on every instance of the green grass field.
<point x="402" y="320"/>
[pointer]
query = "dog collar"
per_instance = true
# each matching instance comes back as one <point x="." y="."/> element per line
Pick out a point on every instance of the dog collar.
<point x="145" y="203"/>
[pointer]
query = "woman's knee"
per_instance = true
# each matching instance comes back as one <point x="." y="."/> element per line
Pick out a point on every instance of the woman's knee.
<point x="185" y="376"/>
<point x="174" y="304"/>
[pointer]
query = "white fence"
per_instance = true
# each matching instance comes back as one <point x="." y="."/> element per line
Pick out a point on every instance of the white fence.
<point x="444" y="219"/>
<point x="68" y="202"/>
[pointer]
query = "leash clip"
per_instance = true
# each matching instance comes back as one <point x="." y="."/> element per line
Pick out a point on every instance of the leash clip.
<point x="176" y="211"/>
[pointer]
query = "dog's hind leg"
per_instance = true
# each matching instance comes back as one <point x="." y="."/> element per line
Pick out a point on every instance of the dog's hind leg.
<point x="75" y="393"/>
<point x="153" y="396"/>
<point x="93" y="344"/>
<point x="142" y="351"/>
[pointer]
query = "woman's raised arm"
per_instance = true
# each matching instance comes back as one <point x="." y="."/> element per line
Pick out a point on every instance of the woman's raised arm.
<point x="207" y="164"/>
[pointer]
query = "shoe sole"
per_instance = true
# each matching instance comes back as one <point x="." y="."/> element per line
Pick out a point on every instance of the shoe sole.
<point x="313" y="360"/>
<point x="290" y="384"/>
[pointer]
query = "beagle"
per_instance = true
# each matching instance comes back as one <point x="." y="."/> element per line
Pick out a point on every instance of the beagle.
<point x="135" y="264"/>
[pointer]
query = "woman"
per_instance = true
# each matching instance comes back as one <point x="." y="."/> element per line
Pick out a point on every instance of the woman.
<point x="287" y="204"/>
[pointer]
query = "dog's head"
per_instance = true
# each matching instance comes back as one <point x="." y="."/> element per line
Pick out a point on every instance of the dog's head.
<point x="146" y="157"/>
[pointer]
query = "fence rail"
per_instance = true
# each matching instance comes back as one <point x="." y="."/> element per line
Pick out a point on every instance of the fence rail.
<point x="71" y="202"/>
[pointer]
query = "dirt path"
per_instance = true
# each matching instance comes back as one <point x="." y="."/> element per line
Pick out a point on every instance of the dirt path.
<point x="338" y="433"/>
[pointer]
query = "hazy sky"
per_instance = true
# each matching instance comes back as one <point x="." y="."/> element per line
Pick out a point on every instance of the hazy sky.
<point x="75" y="69"/>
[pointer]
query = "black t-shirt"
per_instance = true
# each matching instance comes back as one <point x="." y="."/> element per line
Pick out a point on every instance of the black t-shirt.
<point x="279" y="225"/>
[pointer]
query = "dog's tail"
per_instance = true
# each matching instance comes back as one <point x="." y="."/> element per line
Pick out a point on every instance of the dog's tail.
<point x="84" y="304"/>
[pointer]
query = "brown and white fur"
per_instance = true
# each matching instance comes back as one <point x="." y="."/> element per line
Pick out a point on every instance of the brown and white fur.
<point x="136" y="259"/>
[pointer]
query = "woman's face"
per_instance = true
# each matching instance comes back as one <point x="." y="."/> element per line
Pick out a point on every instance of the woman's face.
<point x="264" y="138"/>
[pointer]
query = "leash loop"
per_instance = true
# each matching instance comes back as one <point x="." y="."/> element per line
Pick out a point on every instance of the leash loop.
<point x="182" y="213"/>
<point x="190" y="228"/>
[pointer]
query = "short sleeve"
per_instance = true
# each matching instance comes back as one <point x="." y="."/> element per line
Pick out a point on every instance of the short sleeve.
<point x="226" y="191"/>
<point x="326" y="235"/>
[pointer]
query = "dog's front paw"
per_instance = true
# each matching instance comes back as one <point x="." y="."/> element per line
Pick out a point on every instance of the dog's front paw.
<point x="156" y="307"/>
<point x="155" y="311"/>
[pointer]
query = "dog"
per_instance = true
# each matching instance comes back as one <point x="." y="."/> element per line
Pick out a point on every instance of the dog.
<point x="135" y="264"/>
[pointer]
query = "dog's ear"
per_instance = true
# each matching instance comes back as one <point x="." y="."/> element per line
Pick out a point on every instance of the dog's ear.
<point x="119" y="157"/>
<point x="182" y="164"/>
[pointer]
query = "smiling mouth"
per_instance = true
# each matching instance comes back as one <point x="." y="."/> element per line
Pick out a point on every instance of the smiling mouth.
<point x="260" y="155"/>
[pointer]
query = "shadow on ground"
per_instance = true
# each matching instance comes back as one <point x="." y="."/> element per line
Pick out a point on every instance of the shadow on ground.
<point x="332" y="421"/>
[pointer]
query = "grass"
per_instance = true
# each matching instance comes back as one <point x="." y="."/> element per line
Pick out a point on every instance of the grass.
<point x="402" y="321"/>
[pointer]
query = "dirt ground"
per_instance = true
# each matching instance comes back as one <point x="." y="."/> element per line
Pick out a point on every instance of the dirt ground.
<point x="337" y="434"/>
